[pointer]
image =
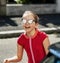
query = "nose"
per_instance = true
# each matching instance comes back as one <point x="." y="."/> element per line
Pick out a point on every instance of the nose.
<point x="27" y="23"/>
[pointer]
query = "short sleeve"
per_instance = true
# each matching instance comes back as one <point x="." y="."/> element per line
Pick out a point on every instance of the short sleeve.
<point x="43" y="36"/>
<point x="20" y="40"/>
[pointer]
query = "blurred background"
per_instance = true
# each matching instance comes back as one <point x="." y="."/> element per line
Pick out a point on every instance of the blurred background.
<point x="19" y="6"/>
<point x="10" y="25"/>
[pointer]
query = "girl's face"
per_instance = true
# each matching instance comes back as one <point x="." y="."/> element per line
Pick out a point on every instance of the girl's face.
<point x="28" y="23"/>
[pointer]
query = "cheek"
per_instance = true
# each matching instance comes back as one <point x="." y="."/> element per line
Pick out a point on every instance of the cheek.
<point x="23" y="26"/>
<point x="33" y="25"/>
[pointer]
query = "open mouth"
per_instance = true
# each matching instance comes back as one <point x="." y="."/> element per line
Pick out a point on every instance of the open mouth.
<point x="27" y="27"/>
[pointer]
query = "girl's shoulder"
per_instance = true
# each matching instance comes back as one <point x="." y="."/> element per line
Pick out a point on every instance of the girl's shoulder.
<point x="21" y="35"/>
<point x="42" y="34"/>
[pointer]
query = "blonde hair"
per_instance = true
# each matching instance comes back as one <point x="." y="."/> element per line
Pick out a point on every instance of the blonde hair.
<point x="26" y="13"/>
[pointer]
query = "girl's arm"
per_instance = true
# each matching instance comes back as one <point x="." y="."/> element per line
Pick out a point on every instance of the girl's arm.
<point x="46" y="44"/>
<point x="16" y="58"/>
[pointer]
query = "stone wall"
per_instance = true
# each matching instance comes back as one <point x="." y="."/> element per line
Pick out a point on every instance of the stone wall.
<point x="18" y="9"/>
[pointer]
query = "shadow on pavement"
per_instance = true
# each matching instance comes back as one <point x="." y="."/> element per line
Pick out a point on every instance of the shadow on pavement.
<point x="51" y="18"/>
<point x="46" y="20"/>
<point x="6" y="21"/>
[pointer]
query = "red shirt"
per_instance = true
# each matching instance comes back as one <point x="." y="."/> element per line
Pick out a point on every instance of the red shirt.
<point x="33" y="46"/>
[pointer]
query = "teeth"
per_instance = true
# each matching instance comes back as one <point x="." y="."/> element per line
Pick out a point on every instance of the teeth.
<point x="27" y="27"/>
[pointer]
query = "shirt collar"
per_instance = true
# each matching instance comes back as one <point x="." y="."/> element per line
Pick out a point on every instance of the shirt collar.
<point x="32" y="36"/>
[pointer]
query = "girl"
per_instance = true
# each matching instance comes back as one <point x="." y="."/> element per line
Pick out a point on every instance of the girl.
<point x="34" y="42"/>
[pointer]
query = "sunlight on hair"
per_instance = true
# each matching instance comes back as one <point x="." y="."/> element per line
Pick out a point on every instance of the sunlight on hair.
<point x="27" y="13"/>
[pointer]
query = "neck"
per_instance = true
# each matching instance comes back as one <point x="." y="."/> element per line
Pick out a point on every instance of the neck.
<point x="30" y="34"/>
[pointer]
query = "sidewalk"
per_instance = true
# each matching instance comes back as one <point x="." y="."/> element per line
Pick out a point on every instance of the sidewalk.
<point x="11" y="26"/>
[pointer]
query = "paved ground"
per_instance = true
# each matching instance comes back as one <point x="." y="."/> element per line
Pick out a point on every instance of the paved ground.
<point x="8" y="47"/>
<point x="14" y="23"/>
<point x="11" y="26"/>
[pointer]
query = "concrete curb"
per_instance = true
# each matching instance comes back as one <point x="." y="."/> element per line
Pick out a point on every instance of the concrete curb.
<point x="16" y="33"/>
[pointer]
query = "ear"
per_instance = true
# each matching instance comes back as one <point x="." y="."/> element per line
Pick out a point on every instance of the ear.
<point x="36" y="25"/>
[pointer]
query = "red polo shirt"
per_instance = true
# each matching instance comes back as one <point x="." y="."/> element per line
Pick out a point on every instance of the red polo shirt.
<point x="33" y="46"/>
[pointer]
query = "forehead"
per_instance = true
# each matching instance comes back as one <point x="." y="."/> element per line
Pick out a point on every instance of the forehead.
<point x="28" y="15"/>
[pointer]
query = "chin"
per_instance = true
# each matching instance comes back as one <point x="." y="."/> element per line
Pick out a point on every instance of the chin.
<point x="28" y="31"/>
